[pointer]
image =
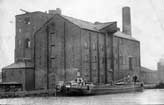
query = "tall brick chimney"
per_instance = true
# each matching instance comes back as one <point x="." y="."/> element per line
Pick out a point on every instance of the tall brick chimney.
<point x="126" y="20"/>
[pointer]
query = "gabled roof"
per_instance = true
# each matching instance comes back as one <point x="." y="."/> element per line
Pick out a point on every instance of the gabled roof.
<point x="96" y="27"/>
<point x="87" y="25"/>
<point x="81" y="23"/>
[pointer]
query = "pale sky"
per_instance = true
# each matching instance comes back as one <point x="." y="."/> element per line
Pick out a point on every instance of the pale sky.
<point x="147" y="22"/>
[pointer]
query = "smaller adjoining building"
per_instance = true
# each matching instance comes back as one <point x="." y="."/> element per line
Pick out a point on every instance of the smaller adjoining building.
<point x="161" y="70"/>
<point x="149" y="76"/>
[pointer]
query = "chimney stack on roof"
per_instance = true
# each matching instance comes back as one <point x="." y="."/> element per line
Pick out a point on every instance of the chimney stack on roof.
<point x="53" y="12"/>
<point x="126" y="20"/>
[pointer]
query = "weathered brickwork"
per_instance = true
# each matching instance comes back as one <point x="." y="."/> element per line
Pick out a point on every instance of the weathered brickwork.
<point x="57" y="47"/>
<point x="126" y="57"/>
<point x="21" y="75"/>
<point x="26" y="26"/>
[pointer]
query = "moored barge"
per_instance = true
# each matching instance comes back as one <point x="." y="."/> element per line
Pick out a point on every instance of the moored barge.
<point x="91" y="89"/>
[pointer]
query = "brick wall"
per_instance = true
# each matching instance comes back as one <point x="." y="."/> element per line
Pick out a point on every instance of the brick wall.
<point x="14" y="75"/>
<point x="62" y="49"/>
<point x="124" y="50"/>
<point x="26" y="26"/>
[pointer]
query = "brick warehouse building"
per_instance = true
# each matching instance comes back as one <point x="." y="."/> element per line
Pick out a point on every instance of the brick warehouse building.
<point x="51" y="47"/>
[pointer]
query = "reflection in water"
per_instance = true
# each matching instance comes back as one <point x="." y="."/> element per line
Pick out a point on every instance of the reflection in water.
<point x="154" y="96"/>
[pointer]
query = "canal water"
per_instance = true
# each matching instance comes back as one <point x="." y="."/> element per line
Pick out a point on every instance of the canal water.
<point x="150" y="96"/>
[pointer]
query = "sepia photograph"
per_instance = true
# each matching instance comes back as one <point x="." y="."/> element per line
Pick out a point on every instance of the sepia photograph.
<point x="81" y="52"/>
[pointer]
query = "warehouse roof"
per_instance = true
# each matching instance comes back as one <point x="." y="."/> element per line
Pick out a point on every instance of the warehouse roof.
<point x="87" y="25"/>
<point x="91" y="26"/>
<point x="81" y="23"/>
<point x="122" y="35"/>
<point x="96" y="27"/>
<point x="19" y="65"/>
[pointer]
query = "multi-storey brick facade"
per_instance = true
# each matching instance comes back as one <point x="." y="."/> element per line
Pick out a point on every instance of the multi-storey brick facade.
<point x="53" y="47"/>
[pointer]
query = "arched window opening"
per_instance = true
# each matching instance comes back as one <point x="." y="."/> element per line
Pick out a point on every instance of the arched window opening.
<point x="27" y="43"/>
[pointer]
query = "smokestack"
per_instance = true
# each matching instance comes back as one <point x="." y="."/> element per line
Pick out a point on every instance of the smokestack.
<point x="126" y="20"/>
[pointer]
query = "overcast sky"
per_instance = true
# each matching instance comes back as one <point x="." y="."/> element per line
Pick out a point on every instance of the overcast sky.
<point x="147" y="22"/>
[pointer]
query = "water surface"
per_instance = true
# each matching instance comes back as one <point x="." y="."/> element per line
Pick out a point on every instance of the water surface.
<point x="151" y="96"/>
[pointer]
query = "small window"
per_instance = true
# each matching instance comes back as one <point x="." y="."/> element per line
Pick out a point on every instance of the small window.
<point x="27" y="43"/>
<point x="103" y="60"/>
<point x="53" y="54"/>
<point x="19" y="30"/>
<point x="124" y="60"/>
<point x="121" y="60"/>
<point x="19" y="43"/>
<point x="52" y="38"/>
<point x="130" y="63"/>
<point x="94" y="45"/>
<point x="27" y="20"/>
<point x="102" y="48"/>
<point x="95" y="58"/>
<point x="86" y="58"/>
<point x="136" y="61"/>
<point x="52" y="63"/>
<point x="86" y="44"/>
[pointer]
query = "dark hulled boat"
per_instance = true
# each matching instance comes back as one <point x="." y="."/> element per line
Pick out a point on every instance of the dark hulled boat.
<point x="91" y="89"/>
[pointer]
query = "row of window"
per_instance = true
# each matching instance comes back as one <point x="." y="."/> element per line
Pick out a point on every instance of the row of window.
<point x="131" y="61"/>
<point x="26" y="20"/>
<point x="93" y="46"/>
<point x="86" y="45"/>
